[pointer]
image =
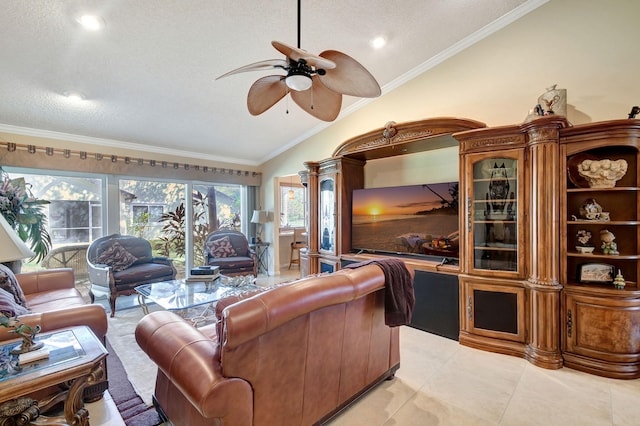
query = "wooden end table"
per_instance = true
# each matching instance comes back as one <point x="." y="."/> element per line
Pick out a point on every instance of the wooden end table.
<point x="76" y="359"/>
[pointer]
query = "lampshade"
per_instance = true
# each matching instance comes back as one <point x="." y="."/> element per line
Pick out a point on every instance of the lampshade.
<point x="259" y="216"/>
<point x="298" y="82"/>
<point x="11" y="246"/>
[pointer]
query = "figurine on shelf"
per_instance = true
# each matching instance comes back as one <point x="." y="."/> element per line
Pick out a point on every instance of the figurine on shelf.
<point x="608" y="244"/>
<point x="584" y="237"/>
<point x="618" y="281"/>
<point x="590" y="209"/>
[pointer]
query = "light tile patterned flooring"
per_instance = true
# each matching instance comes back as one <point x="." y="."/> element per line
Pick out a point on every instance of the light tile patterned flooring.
<point x="443" y="383"/>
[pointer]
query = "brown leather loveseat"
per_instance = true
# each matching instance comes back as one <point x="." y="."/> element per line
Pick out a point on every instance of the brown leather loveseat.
<point x="294" y="354"/>
<point x="55" y="303"/>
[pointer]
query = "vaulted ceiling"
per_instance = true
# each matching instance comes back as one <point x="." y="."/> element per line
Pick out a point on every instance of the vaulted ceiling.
<point x="148" y="76"/>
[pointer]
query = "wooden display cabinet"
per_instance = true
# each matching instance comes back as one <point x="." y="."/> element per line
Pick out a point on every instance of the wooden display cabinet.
<point x="601" y="324"/>
<point x="494" y="205"/>
<point x="493" y="308"/>
<point x="509" y="283"/>
<point x="330" y="183"/>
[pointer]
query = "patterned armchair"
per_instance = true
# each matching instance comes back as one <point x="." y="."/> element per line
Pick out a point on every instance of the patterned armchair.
<point x="230" y="251"/>
<point x="119" y="263"/>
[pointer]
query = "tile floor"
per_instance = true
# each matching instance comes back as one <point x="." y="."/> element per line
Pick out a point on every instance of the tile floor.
<point x="443" y="383"/>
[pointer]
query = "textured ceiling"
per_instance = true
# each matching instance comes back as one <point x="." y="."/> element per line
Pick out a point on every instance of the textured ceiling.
<point x="149" y="75"/>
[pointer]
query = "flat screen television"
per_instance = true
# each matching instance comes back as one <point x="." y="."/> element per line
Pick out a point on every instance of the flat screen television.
<point x="419" y="220"/>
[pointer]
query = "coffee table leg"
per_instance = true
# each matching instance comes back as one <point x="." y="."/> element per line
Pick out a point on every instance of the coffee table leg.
<point x="142" y="301"/>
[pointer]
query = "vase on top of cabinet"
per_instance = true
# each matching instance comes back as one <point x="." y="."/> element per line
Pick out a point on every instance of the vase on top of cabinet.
<point x="600" y="320"/>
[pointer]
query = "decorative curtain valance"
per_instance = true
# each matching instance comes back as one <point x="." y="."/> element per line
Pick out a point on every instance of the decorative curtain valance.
<point x="32" y="156"/>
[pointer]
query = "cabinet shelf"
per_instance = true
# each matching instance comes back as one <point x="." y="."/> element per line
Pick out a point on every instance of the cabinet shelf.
<point x="614" y="189"/>
<point x="510" y="247"/>
<point x="485" y="201"/>
<point x="492" y="221"/>
<point x="603" y="256"/>
<point x="611" y="222"/>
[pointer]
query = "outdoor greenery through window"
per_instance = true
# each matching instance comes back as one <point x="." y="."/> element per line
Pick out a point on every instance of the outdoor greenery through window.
<point x="73" y="213"/>
<point x="292" y="206"/>
<point x="73" y="207"/>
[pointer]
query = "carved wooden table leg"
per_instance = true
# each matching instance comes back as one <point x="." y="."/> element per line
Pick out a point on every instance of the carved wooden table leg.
<point x="20" y="411"/>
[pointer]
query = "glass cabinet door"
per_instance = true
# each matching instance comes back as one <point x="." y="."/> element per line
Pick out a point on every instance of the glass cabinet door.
<point x="327" y="215"/>
<point x="494" y="225"/>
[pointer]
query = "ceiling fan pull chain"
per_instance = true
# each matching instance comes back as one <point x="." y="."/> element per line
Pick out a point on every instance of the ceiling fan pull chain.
<point x="286" y="92"/>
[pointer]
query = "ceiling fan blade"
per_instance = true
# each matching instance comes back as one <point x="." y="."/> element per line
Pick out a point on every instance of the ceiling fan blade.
<point x="265" y="93"/>
<point x="323" y="103"/>
<point x="297" y="54"/>
<point x="269" y="64"/>
<point x="349" y="77"/>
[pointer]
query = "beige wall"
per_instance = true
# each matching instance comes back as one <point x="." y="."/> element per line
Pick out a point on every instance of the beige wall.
<point x="587" y="47"/>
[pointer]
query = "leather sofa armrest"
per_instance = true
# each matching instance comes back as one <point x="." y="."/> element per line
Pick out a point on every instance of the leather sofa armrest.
<point x="46" y="280"/>
<point x="93" y="316"/>
<point x="191" y="361"/>
<point x="163" y="260"/>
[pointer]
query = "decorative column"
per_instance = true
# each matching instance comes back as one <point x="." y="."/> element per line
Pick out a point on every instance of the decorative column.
<point x="543" y="183"/>
<point x="313" y="196"/>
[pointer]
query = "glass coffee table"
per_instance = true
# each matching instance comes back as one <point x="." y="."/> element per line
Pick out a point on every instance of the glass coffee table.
<point x="192" y="300"/>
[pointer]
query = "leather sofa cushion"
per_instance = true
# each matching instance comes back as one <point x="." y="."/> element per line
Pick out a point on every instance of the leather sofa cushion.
<point x="55" y="299"/>
<point x="142" y="272"/>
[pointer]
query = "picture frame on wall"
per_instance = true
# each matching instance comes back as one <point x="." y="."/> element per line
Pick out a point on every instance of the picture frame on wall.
<point x="596" y="273"/>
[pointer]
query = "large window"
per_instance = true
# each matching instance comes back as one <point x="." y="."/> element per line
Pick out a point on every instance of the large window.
<point x="78" y="211"/>
<point x="74" y="209"/>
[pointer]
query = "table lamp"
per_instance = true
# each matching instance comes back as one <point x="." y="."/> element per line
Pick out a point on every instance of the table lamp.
<point x="12" y="248"/>
<point x="259" y="218"/>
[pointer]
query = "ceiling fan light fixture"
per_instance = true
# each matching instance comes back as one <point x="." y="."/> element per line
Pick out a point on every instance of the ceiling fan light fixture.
<point x="299" y="82"/>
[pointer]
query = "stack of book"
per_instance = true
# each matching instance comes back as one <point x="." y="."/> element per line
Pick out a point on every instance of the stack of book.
<point x="204" y="274"/>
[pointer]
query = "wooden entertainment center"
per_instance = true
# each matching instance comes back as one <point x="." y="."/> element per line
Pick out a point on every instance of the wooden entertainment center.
<point x="523" y="285"/>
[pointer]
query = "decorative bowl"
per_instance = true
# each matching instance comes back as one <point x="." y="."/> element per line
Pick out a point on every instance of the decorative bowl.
<point x="602" y="173"/>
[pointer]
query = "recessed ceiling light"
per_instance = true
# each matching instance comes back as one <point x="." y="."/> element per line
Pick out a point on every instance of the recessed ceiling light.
<point x="91" y="22"/>
<point x="74" y="96"/>
<point x="378" y="42"/>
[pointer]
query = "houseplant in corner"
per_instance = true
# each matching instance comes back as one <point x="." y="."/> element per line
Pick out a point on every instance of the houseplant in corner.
<point x="25" y="214"/>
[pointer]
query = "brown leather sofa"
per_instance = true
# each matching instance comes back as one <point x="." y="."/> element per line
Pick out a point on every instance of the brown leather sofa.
<point x="55" y="303"/>
<point x="294" y="354"/>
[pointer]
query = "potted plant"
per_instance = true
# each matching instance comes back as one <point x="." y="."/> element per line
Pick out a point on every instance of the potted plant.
<point x="25" y="214"/>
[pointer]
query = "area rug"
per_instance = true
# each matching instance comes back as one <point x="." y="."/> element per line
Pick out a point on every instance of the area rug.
<point x="141" y="371"/>
<point x="132" y="408"/>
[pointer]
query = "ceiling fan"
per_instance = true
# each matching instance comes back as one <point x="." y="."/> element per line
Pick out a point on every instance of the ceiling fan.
<point x="316" y="82"/>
